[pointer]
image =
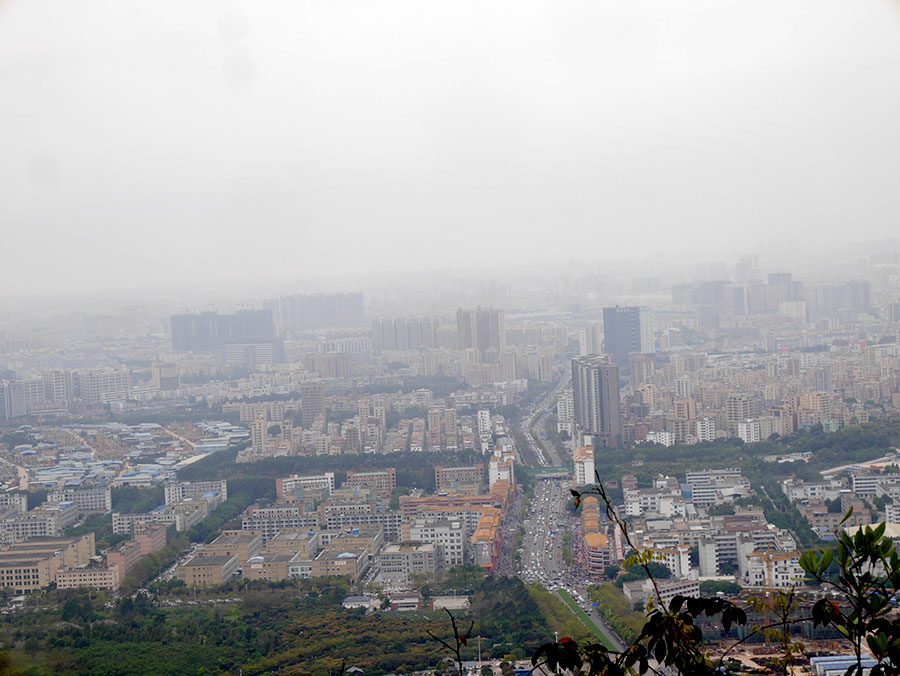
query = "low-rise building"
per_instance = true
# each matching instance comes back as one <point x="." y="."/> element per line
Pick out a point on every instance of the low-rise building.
<point x="280" y="516"/>
<point x="95" y="578"/>
<point x="243" y="545"/>
<point x="305" y="543"/>
<point x="383" y="481"/>
<point x="207" y="570"/>
<point x="354" y="602"/>
<point x="150" y="536"/>
<point x="86" y="500"/>
<point x="178" y="491"/>
<point x="351" y="564"/>
<point x="32" y="565"/>
<point x="449" y="535"/>
<point x="124" y="558"/>
<point x="270" y="567"/>
<point x="288" y="487"/>
<point x="406" y="601"/>
<point x="401" y="560"/>
<point x="638" y="591"/>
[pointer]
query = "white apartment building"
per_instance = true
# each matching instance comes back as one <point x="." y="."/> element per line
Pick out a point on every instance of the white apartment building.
<point x="677" y="559"/>
<point x="892" y="512"/>
<point x="485" y="427"/>
<point x="797" y="491"/>
<point x="866" y="485"/>
<point x="501" y="467"/>
<point x="661" y="438"/>
<point x="18" y="501"/>
<point x="270" y="521"/>
<point x="85" y="499"/>
<point x="705" y="429"/>
<point x="450" y="535"/>
<point x="584" y="465"/>
<point x="398" y="561"/>
<point x="778" y="570"/>
<point x="638" y="591"/>
<point x="288" y="486"/>
<point x="181" y="490"/>
<point x="565" y="412"/>
<point x="748" y="431"/>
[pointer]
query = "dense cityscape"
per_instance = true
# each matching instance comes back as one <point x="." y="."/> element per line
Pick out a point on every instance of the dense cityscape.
<point x="189" y="463"/>
<point x="402" y="338"/>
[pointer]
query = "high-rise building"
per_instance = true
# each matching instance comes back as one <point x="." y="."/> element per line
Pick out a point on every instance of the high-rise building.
<point x="259" y="434"/>
<point x="595" y="386"/>
<point x="584" y="465"/>
<point x="312" y="402"/>
<point x="748" y="431"/>
<point x="484" y="423"/>
<point x="481" y="329"/>
<point x="643" y="367"/>
<point x="165" y="377"/>
<point x="705" y="429"/>
<point x="320" y="311"/>
<point x="737" y="409"/>
<point x="97" y="385"/>
<point x="858" y="295"/>
<point x="405" y="333"/>
<point x="565" y="412"/>
<point x="58" y="385"/>
<point x="627" y="330"/>
<point x="590" y="339"/>
<point x="4" y="401"/>
<point x="254" y="351"/>
<point x="210" y="331"/>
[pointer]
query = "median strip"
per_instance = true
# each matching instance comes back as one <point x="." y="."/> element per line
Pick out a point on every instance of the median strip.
<point x="583" y="616"/>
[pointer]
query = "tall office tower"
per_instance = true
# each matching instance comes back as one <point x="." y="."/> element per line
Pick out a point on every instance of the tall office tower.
<point x="4" y="401"/>
<point x="565" y="412"/>
<point x="251" y="324"/>
<point x="483" y="418"/>
<point x="259" y="433"/>
<point x="481" y="329"/>
<point x="706" y="430"/>
<point x="683" y="387"/>
<point x="711" y="293"/>
<point x="403" y="333"/>
<point x="858" y="295"/>
<point x="165" y="377"/>
<point x="643" y="367"/>
<point x="595" y="386"/>
<point x="508" y="370"/>
<point x="320" y="311"/>
<point x="824" y="381"/>
<point x="58" y="385"/>
<point x="450" y="432"/>
<point x="737" y="410"/>
<point x="591" y="339"/>
<point x="434" y="428"/>
<point x="209" y="330"/>
<point x="627" y="330"/>
<point x="312" y="402"/>
<point x="465" y="329"/>
<point x="782" y="283"/>
<point x="95" y="385"/>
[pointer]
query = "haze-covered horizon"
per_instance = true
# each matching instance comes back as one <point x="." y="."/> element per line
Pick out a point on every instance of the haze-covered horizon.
<point x="209" y="145"/>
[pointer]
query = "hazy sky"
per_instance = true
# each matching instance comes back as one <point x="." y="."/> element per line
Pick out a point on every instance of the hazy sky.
<point x="197" y="141"/>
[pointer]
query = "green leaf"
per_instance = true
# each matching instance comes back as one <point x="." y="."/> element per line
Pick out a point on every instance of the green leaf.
<point x="846" y="516"/>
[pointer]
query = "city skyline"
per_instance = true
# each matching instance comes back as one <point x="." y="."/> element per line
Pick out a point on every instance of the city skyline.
<point x="273" y="121"/>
